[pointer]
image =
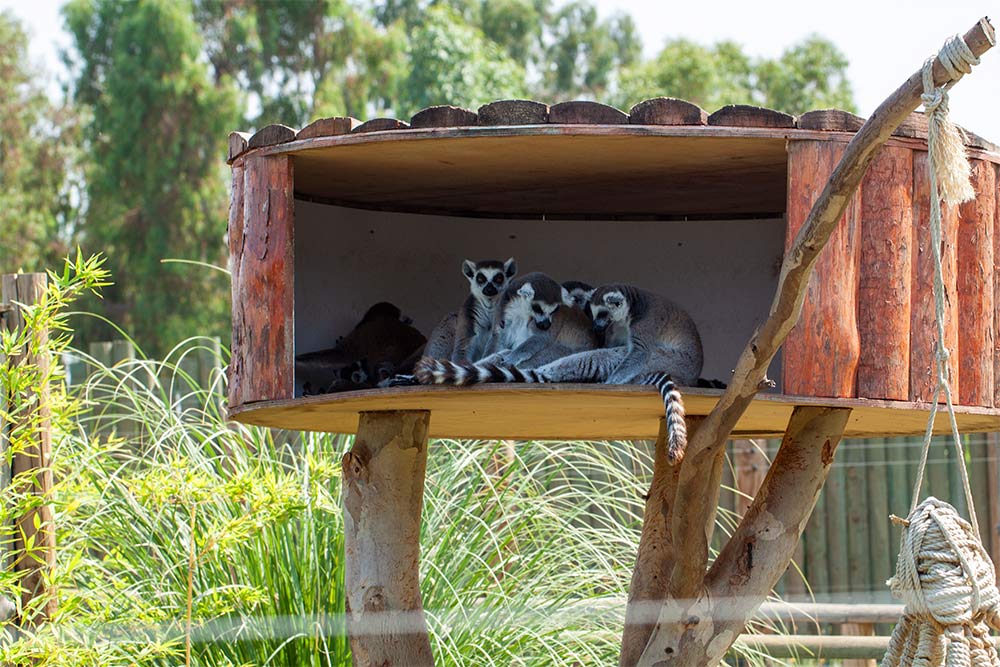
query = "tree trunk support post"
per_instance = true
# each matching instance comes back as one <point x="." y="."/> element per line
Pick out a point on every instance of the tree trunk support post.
<point x="31" y="467"/>
<point x="383" y="497"/>
<point x="699" y="631"/>
<point x="686" y="633"/>
<point x="655" y="557"/>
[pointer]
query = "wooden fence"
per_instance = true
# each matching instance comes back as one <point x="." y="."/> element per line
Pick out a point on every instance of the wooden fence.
<point x="849" y="548"/>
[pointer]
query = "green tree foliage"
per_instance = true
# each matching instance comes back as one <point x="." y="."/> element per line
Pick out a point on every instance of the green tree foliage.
<point x="809" y="75"/>
<point x="516" y="26"/>
<point x="296" y="61"/>
<point x="132" y="166"/>
<point x="584" y="52"/>
<point x="38" y="184"/>
<point x="155" y="185"/>
<point x="452" y="62"/>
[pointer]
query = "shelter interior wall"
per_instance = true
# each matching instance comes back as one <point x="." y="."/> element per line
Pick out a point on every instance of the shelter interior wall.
<point x="723" y="272"/>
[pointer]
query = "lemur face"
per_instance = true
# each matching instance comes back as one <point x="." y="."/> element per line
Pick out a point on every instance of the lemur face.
<point x="540" y="309"/>
<point x="488" y="278"/>
<point x="577" y="294"/>
<point x="608" y="308"/>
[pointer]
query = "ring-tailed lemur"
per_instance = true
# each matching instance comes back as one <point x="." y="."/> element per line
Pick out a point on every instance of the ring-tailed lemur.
<point x="647" y="338"/>
<point x="382" y="339"/>
<point x="580" y="293"/>
<point x="463" y="336"/>
<point x="535" y="323"/>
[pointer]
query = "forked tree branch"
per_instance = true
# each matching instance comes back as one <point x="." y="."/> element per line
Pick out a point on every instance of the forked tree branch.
<point x="698" y="498"/>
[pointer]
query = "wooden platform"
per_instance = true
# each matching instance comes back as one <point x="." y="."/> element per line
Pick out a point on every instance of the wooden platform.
<point x="584" y="412"/>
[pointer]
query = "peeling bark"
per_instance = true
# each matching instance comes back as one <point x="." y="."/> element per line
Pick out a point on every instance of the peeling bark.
<point x="655" y="557"/>
<point x="700" y="631"/>
<point x="750" y="371"/>
<point x="383" y="497"/>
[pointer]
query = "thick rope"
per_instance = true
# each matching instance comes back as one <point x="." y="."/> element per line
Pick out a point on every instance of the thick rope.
<point x="948" y="166"/>
<point x="943" y="573"/>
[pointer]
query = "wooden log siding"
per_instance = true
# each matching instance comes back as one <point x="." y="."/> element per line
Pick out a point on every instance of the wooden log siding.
<point x="975" y="289"/>
<point x="996" y="287"/>
<point x="923" y="330"/>
<point x="261" y="251"/>
<point x="821" y="353"/>
<point x="884" y="282"/>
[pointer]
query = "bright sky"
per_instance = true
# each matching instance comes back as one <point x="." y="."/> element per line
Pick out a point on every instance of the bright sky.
<point x="884" y="41"/>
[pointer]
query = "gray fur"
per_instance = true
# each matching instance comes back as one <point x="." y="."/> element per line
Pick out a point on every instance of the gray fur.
<point x="533" y="326"/>
<point x="647" y="339"/>
<point x="465" y="334"/>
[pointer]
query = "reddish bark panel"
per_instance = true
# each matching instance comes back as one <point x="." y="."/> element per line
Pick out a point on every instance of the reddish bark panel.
<point x="923" y="330"/>
<point x="270" y="135"/>
<point x="444" y="116"/>
<point x="747" y="115"/>
<point x="585" y="112"/>
<point x="513" y="112"/>
<point x="975" y="289"/>
<point x="237" y="144"/>
<point x="822" y="350"/>
<point x="261" y="255"/>
<point x="830" y="120"/>
<point x="328" y="127"/>
<point x="667" y="111"/>
<point x="884" y="283"/>
<point x="234" y="234"/>
<point x="381" y="125"/>
<point x="996" y="291"/>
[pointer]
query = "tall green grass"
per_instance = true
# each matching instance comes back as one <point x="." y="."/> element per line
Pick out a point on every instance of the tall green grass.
<point x="186" y="538"/>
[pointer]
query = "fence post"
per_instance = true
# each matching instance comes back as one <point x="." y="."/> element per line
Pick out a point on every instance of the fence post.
<point x="32" y="466"/>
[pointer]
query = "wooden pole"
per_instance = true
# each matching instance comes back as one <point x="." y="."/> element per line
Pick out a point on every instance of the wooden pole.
<point x="749" y="376"/>
<point x="31" y="465"/>
<point x="699" y="632"/>
<point x="383" y="498"/>
<point x="655" y="557"/>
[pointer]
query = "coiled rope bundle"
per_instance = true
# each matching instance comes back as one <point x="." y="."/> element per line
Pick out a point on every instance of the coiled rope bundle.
<point x="943" y="573"/>
<point x="946" y="579"/>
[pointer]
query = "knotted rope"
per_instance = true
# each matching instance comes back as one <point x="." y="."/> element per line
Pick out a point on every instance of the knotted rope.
<point x="943" y="573"/>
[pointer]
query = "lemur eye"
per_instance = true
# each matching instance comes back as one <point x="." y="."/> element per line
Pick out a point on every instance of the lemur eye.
<point x="481" y="279"/>
<point x="536" y="309"/>
<point x="498" y="279"/>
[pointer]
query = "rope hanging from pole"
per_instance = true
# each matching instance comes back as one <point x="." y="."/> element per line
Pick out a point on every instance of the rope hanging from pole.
<point x="943" y="573"/>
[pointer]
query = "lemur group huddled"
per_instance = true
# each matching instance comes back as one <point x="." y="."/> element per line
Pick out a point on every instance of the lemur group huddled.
<point x="532" y="329"/>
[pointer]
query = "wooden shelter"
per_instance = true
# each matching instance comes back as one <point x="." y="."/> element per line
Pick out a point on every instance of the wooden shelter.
<point x="328" y="220"/>
<point x="708" y="209"/>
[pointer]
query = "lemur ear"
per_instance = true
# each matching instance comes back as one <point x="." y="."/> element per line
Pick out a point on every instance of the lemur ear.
<point x="469" y="269"/>
<point x="510" y="268"/>
<point x="526" y="291"/>
<point x="567" y="298"/>
<point x="590" y="294"/>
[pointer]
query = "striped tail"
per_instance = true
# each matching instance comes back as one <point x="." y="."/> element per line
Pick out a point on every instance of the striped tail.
<point x="460" y="373"/>
<point x="674" y="410"/>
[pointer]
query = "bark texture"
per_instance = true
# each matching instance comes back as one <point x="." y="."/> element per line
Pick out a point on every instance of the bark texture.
<point x="701" y="630"/>
<point x="383" y="497"/>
